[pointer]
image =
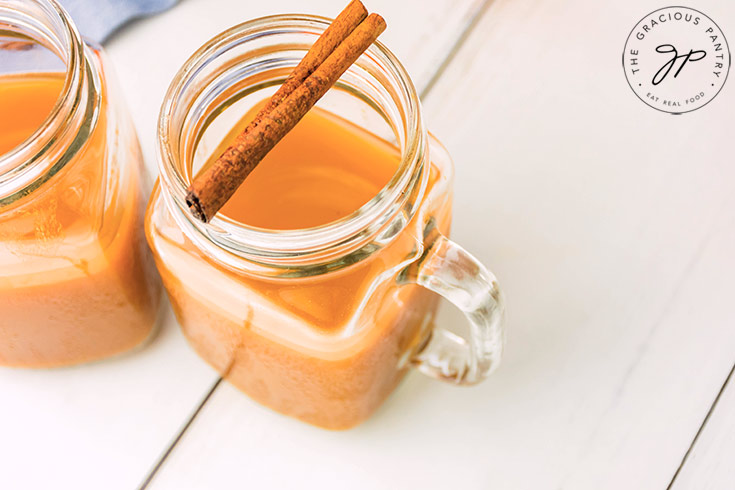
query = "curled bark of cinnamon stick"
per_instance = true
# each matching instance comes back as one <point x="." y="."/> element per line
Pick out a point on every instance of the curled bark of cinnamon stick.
<point x="343" y="25"/>
<point x="214" y="187"/>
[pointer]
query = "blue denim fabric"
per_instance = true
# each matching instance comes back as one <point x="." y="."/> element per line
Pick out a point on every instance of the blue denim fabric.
<point x="97" y="19"/>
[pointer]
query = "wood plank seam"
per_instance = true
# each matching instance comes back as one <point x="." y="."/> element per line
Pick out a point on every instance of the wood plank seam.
<point x="152" y="473"/>
<point x="701" y="428"/>
<point x="475" y="18"/>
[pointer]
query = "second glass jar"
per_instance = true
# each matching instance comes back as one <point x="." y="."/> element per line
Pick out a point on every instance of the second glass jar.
<point x="77" y="281"/>
<point x="318" y="323"/>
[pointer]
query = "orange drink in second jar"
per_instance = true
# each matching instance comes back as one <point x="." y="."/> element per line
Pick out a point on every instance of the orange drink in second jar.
<point x="77" y="282"/>
<point x="323" y="170"/>
<point x="313" y="289"/>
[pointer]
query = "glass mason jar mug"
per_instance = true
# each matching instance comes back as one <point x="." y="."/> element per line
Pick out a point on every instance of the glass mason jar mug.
<point x="77" y="282"/>
<point x="318" y="323"/>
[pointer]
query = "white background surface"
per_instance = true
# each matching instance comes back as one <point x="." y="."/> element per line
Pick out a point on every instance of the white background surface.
<point x="611" y="227"/>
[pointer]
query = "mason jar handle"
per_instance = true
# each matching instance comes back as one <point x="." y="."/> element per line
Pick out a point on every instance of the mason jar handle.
<point x="450" y="271"/>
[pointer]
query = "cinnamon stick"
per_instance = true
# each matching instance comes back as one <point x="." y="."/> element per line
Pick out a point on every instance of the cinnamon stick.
<point x="338" y="30"/>
<point x="214" y="187"/>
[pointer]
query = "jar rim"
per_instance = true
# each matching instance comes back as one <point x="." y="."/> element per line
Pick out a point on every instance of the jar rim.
<point x="257" y="243"/>
<point x="26" y="166"/>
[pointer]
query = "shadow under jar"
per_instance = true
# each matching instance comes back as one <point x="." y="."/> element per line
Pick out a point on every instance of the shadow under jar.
<point x="318" y="323"/>
<point x="77" y="281"/>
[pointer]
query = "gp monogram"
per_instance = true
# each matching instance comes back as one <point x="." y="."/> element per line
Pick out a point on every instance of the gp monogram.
<point x="676" y="59"/>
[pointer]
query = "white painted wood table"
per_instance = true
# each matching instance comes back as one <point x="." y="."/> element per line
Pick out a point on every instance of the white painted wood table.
<point x="611" y="227"/>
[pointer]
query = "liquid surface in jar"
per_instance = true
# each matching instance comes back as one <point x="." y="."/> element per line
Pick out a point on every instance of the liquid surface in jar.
<point x="25" y="102"/>
<point x="325" y="348"/>
<point x="76" y="280"/>
<point x="323" y="170"/>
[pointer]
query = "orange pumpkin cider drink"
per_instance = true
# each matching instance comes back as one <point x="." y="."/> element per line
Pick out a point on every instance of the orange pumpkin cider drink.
<point x="326" y="348"/>
<point x="26" y="101"/>
<point x="77" y="282"/>
<point x="312" y="285"/>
